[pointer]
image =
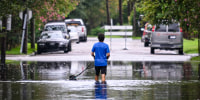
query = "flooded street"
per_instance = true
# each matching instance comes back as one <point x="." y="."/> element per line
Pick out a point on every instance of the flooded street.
<point x="126" y="80"/>
<point x="132" y="74"/>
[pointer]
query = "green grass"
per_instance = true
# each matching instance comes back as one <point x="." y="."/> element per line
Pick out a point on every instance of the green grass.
<point x="114" y="36"/>
<point x="12" y="62"/>
<point x="197" y="58"/>
<point x="16" y="51"/>
<point x="190" y="46"/>
<point x="138" y="38"/>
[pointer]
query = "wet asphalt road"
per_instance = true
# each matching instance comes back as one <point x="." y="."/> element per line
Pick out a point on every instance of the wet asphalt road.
<point x="132" y="74"/>
<point x="81" y="52"/>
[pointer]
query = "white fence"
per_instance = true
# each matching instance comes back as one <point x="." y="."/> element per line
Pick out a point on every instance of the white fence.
<point x="118" y="30"/>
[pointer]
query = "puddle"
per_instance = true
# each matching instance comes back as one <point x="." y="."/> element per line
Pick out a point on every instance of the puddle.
<point x="125" y="80"/>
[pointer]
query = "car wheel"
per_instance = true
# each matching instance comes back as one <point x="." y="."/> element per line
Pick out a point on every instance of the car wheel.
<point x="152" y="50"/>
<point x="39" y="51"/>
<point x="85" y="39"/>
<point x="180" y="51"/>
<point x="78" y="41"/>
<point x="69" y="46"/>
<point x="146" y="44"/>
<point x="66" y="50"/>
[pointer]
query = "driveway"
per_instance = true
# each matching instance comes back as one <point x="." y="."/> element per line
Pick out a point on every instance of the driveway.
<point x="81" y="52"/>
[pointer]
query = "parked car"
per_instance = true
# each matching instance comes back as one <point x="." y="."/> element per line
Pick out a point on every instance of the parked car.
<point x="56" y="26"/>
<point x="146" y="34"/>
<point x="80" y="26"/>
<point x="53" y="41"/>
<point x="167" y="37"/>
<point x="73" y="32"/>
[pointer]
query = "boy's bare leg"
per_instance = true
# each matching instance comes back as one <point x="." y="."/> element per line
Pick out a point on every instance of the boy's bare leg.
<point x="103" y="77"/>
<point x="96" y="78"/>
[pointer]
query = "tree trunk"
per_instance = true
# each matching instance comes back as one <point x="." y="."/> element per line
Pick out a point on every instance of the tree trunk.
<point x="129" y="10"/>
<point x="120" y="13"/>
<point x="3" y="42"/>
<point x="108" y="13"/>
<point x="3" y="50"/>
<point x="134" y="19"/>
<point x="199" y="44"/>
<point x="199" y="72"/>
<point x="33" y="33"/>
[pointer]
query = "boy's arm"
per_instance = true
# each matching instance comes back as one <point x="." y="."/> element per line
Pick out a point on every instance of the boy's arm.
<point x="93" y="54"/>
<point x="107" y="55"/>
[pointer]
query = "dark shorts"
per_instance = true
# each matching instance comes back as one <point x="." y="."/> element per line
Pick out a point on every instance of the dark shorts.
<point x="101" y="69"/>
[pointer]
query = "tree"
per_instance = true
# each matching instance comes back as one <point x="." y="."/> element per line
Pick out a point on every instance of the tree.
<point x="107" y="12"/>
<point x="120" y="13"/>
<point x="94" y="13"/>
<point x="56" y="8"/>
<point x="186" y="12"/>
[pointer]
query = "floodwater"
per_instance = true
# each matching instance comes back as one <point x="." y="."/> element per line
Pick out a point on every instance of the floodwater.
<point x="125" y="81"/>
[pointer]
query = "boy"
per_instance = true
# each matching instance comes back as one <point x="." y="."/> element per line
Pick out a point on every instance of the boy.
<point x="101" y="53"/>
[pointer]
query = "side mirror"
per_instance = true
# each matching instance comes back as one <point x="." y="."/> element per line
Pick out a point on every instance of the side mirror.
<point x="142" y="29"/>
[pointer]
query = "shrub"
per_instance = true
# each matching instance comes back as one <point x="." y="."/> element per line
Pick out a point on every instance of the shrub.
<point x="97" y="30"/>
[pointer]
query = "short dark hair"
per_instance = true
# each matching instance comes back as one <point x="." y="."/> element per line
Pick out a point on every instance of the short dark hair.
<point x="101" y="37"/>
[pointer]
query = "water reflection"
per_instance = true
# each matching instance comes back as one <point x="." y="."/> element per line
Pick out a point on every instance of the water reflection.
<point x="163" y="71"/>
<point x="116" y="70"/>
<point x="3" y="71"/>
<point x="100" y="90"/>
<point x="125" y="80"/>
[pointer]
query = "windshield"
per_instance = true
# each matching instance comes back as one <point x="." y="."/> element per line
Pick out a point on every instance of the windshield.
<point x="72" y="29"/>
<point x="51" y="36"/>
<point x="55" y="28"/>
<point x="73" y="23"/>
<point x="161" y="28"/>
<point x="173" y="27"/>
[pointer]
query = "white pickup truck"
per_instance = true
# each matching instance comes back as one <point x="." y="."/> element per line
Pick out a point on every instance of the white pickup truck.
<point x="82" y="31"/>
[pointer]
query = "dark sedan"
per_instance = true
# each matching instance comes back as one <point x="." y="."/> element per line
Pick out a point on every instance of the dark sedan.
<point x="53" y="41"/>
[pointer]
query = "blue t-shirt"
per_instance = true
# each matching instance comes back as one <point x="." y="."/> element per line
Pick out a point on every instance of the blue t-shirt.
<point x="100" y="49"/>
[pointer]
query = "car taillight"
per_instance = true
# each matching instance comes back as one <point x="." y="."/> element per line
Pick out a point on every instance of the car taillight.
<point x="153" y="29"/>
<point x="181" y="30"/>
<point x="82" y="29"/>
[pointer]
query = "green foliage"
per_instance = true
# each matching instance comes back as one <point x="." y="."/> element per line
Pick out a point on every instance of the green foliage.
<point x="93" y="12"/>
<point x="97" y="30"/>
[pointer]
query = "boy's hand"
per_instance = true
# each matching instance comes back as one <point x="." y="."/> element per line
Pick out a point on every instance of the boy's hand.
<point x="94" y="57"/>
<point x="107" y="57"/>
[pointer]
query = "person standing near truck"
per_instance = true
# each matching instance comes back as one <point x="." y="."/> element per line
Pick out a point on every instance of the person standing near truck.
<point x="100" y="52"/>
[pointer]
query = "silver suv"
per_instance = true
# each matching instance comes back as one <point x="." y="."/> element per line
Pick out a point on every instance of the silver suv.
<point x="167" y="37"/>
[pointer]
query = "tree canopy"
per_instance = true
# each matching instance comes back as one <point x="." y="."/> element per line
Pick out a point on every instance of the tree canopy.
<point x="43" y="10"/>
<point x="186" y="12"/>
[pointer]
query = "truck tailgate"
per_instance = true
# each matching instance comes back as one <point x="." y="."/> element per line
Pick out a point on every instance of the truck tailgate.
<point x="166" y="37"/>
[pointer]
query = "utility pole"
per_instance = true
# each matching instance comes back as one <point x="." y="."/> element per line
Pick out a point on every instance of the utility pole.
<point x="25" y="35"/>
<point x="24" y="30"/>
